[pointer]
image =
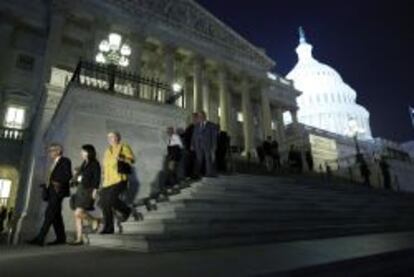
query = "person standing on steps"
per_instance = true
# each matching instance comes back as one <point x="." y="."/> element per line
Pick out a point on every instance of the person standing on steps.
<point x="267" y="149"/>
<point x="174" y="155"/>
<point x="189" y="157"/>
<point x="364" y="170"/>
<point x="117" y="165"/>
<point x="204" y="143"/>
<point x="385" y="171"/>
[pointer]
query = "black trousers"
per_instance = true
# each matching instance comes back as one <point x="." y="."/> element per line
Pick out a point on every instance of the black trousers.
<point x="110" y="201"/>
<point x="205" y="163"/>
<point x="53" y="216"/>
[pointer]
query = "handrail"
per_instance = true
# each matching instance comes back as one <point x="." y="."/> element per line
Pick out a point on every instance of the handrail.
<point x="11" y="134"/>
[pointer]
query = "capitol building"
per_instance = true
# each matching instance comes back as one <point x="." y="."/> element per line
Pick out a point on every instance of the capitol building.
<point x="327" y="102"/>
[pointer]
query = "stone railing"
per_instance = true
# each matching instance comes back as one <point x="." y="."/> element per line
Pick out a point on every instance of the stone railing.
<point x="11" y="134"/>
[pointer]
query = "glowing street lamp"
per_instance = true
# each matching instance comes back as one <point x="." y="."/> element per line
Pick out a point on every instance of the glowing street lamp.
<point x="178" y="92"/>
<point x="176" y="87"/>
<point x="353" y="131"/>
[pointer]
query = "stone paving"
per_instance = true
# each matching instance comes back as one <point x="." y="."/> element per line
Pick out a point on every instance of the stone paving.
<point x="72" y="261"/>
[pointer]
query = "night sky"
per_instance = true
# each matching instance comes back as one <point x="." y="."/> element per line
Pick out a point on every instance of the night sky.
<point x="371" y="44"/>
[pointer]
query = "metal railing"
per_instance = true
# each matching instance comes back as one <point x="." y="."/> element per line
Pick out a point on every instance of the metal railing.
<point x="114" y="80"/>
<point x="11" y="134"/>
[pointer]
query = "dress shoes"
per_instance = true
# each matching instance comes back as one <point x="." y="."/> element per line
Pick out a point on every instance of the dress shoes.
<point x="106" y="232"/>
<point x="36" y="242"/>
<point x="56" y="242"/>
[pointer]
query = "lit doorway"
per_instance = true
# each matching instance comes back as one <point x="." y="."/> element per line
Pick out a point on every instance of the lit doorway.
<point x="5" y="191"/>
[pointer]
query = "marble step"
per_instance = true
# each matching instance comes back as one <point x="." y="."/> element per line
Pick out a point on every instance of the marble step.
<point x="200" y="194"/>
<point x="283" y="209"/>
<point x="266" y="214"/>
<point x="158" y="243"/>
<point x="234" y="226"/>
<point x="295" y="187"/>
<point x="184" y="223"/>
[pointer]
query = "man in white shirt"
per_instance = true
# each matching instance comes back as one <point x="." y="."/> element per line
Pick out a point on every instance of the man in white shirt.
<point x="174" y="154"/>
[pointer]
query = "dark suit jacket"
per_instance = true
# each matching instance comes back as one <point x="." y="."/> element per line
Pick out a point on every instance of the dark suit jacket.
<point x="61" y="176"/>
<point x="205" y="138"/>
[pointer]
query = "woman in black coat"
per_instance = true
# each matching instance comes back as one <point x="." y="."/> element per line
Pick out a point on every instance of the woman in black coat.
<point x="87" y="179"/>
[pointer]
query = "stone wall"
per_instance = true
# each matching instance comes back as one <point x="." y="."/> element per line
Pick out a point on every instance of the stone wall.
<point x="86" y="116"/>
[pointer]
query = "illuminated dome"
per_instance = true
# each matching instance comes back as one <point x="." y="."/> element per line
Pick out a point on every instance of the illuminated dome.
<point x="327" y="101"/>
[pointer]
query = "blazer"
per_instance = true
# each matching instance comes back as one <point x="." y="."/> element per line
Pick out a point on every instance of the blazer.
<point x="91" y="175"/>
<point x="60" y="177"/>
<point x="205" y="138"/>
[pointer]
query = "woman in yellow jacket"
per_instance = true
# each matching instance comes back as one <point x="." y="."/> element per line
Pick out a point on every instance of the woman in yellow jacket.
<point x="115" y="181"/>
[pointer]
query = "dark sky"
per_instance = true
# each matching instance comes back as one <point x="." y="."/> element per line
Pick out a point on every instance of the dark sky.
<point x="371" y="44"/>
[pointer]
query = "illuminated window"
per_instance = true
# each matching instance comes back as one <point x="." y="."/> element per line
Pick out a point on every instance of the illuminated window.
<point x="274" y="125"/>
<point x="5" y="188"/>
<point x="239" y="117"/>
<point x="15" y="117"/>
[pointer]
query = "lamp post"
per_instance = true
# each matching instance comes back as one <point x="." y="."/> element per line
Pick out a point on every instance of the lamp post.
<point x="114" y="52"/>
<point x="353" y="130"/>
<point x="178" y="92"/>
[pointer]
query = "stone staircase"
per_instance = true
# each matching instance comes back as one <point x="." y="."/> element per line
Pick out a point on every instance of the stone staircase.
<point x="247" y="209"/>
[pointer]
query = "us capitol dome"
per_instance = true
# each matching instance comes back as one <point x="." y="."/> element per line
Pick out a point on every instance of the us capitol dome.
<point x="327" y="102"/>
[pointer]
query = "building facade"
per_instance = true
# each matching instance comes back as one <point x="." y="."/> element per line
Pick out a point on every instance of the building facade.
<point x="42" y="42"/>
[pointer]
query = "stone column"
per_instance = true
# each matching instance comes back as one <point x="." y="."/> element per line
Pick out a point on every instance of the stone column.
<point x="294" y="114"/>
<point x="224" y="101"/>
<point x="280" y="125"/>
<point x="247" y="119"/>
<point x="198" y="86"/>
<point x="6" y="33"/>
<point x="206" y="95"/>
<point x="169" y="61"/>
<point x="137" y="50"/>
<point x="266" y="114"/>
<point x="33" y="170"/>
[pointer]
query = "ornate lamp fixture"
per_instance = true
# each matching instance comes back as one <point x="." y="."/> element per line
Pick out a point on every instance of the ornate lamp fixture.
<point x="114" y="51"/>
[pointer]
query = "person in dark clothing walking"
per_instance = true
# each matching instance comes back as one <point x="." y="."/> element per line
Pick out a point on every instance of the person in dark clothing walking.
<point x="87" y="179"/>
<point x="309" y="159"/>
<point x="223" y="147"/>
<point x="267" y="150"/>
<point x="295" y="160"/>
<point x="56" y="190"/>
<point x="204" y="143"/>
<point x="188" y="153"/>
<point x="3" y="216"/>
<point x="275" y="155"/>
<point x="385" y="170"/>
<point x="364" y="170"/>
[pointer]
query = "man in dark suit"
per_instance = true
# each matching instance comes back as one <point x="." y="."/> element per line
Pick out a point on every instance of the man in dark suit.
<point x="56" y="190"/>
<point x="204" y="143"/>
<point x="188" y="153"/>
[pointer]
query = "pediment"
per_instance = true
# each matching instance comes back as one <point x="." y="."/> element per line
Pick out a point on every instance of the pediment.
<point x="190" y="17"/>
